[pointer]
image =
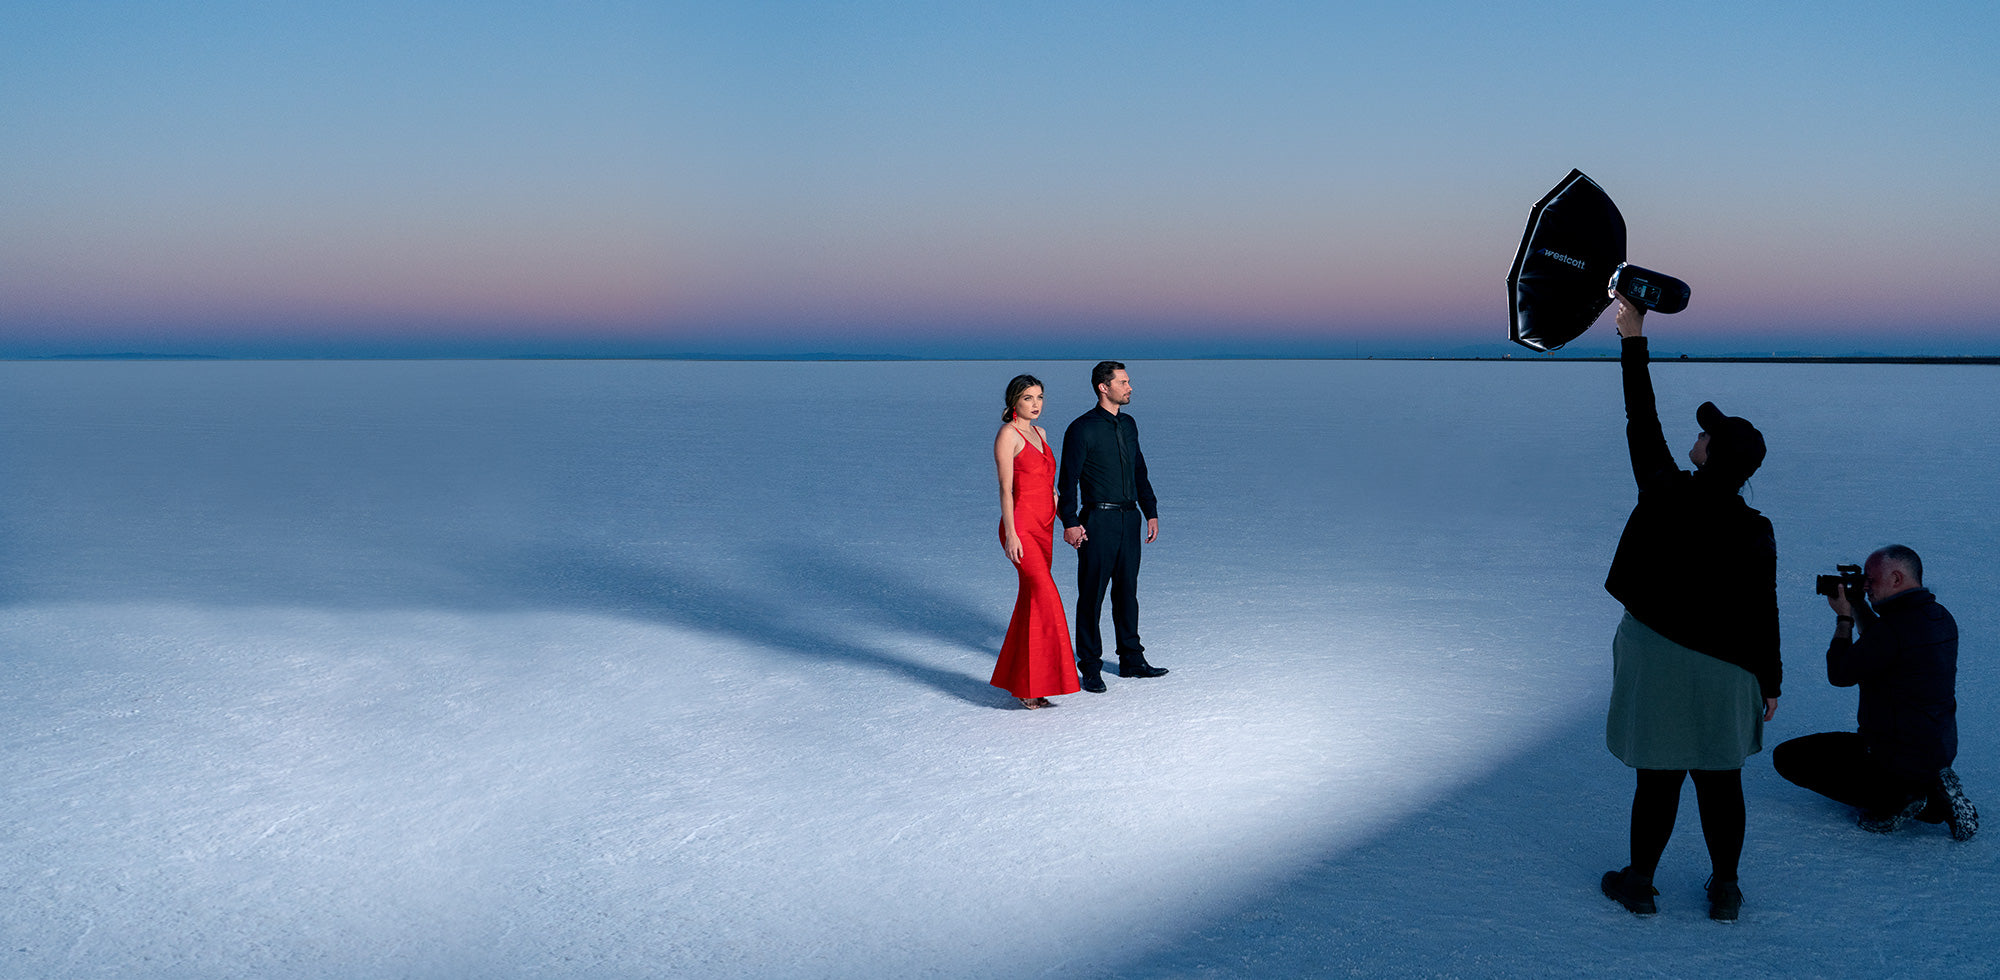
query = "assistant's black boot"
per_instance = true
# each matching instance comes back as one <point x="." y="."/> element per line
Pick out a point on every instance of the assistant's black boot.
<point x="1630" y="890"/>
<point x="1725" y="900"/>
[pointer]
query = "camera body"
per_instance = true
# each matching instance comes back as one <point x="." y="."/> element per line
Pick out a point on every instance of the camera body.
<point x="1656" y="291"/>
<point x="1850" y="576"/>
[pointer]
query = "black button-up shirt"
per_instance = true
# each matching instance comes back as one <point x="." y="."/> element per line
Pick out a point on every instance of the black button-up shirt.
<point x="1100" y="455"/>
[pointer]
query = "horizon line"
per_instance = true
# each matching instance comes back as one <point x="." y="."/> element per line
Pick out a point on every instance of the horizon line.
<point x="1531" y="357"/>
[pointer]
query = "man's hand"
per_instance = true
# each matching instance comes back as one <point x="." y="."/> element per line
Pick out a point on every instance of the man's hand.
<point x="1631" y="319"/>
<point x="1152" y="529"/>
<point x="1770" y="708"/>
<point x="1840" y="603"/>
<point x="1073" y="536"/>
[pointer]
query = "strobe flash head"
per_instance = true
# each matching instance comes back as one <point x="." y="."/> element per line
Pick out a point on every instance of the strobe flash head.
<point x="1656" y="291"/>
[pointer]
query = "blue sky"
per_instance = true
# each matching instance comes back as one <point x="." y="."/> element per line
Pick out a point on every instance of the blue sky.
<point x="993" y="179"/>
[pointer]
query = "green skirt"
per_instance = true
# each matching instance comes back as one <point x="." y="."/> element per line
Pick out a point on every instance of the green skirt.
<point x="1674" y="708"/>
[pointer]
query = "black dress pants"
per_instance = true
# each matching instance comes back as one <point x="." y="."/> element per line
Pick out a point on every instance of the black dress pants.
<point x="1109" y="556"/>
<point x="1835" y="765"/>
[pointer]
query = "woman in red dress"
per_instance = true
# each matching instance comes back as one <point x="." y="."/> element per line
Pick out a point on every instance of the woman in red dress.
<point x="1036" y="659"/>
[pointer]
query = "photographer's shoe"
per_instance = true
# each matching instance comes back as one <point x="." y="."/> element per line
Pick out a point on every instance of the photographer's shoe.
<point x="1631" y="891"/>
<point x="1890" y="822"/>
<point x="1725" y="900"/>
<point x="1964" y="818"/>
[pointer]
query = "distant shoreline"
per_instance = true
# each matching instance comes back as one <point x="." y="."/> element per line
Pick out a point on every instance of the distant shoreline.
<point x="1978" y="359"/>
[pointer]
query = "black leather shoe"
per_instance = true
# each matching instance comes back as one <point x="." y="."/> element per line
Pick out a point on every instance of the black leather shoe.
<point x="1093" y="682"/>
<point x="1141" y="670"/>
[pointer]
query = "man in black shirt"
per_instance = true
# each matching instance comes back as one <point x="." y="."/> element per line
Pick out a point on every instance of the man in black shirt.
<point x="1101" y="458"/>
<point x="1898" y="764"/>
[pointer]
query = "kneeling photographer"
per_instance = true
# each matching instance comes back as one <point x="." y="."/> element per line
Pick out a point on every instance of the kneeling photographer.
<point x="1897" y="766"/>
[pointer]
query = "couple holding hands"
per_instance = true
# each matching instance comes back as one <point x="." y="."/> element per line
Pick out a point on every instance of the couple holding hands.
<point x="1100" y="491"/>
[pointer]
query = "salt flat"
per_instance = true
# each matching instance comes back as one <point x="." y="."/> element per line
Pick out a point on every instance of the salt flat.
<point x="659" y="668"/>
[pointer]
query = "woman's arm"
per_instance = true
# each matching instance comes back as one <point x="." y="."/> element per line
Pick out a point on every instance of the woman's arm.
<point x="1005" y="446"/>
<point x="1647" y="443"/>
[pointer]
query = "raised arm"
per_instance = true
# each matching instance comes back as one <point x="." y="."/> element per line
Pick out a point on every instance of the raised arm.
<point x="1648" y="444"/>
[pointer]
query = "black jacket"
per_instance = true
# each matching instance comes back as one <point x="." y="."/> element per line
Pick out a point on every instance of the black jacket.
<point x="1906" y="662"/>
<point x="1695" y="563"/>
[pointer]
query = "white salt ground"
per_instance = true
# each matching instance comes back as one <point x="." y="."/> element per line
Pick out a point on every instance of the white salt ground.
<point x="671" y="669"/>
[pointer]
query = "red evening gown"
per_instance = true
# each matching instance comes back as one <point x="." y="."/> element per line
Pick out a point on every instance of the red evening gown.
<point x="1036" y="660"/>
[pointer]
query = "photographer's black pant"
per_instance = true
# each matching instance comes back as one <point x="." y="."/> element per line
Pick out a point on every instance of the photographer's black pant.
<point x="1837" y="765"/>
<point x="1109" y="555"/>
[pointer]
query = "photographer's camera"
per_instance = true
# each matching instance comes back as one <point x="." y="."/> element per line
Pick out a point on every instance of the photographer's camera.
<point x="1850" y="576"/>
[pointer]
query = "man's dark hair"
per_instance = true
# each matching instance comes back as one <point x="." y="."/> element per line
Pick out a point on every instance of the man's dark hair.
<point x="1101" y="374"/>
<point x="1903" y="555"/>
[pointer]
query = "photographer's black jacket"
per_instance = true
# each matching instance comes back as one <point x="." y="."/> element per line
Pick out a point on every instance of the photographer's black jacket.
<point x="1695" y="563"/>
<point x="1906" y="662"/>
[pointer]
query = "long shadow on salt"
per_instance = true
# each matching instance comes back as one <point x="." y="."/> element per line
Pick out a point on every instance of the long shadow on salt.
<point x="792" y="608"/>
<point x="829" y="579"/>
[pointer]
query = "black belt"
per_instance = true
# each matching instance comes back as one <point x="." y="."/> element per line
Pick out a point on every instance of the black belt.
<point x="1124" y="506"/>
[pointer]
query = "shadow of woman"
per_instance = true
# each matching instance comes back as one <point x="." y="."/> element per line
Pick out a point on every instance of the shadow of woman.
<point x="788" y="612"/>
<point x="885" y="595"/>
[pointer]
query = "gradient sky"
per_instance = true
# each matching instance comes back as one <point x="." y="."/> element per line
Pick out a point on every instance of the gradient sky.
<point x="995" y="179"/>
